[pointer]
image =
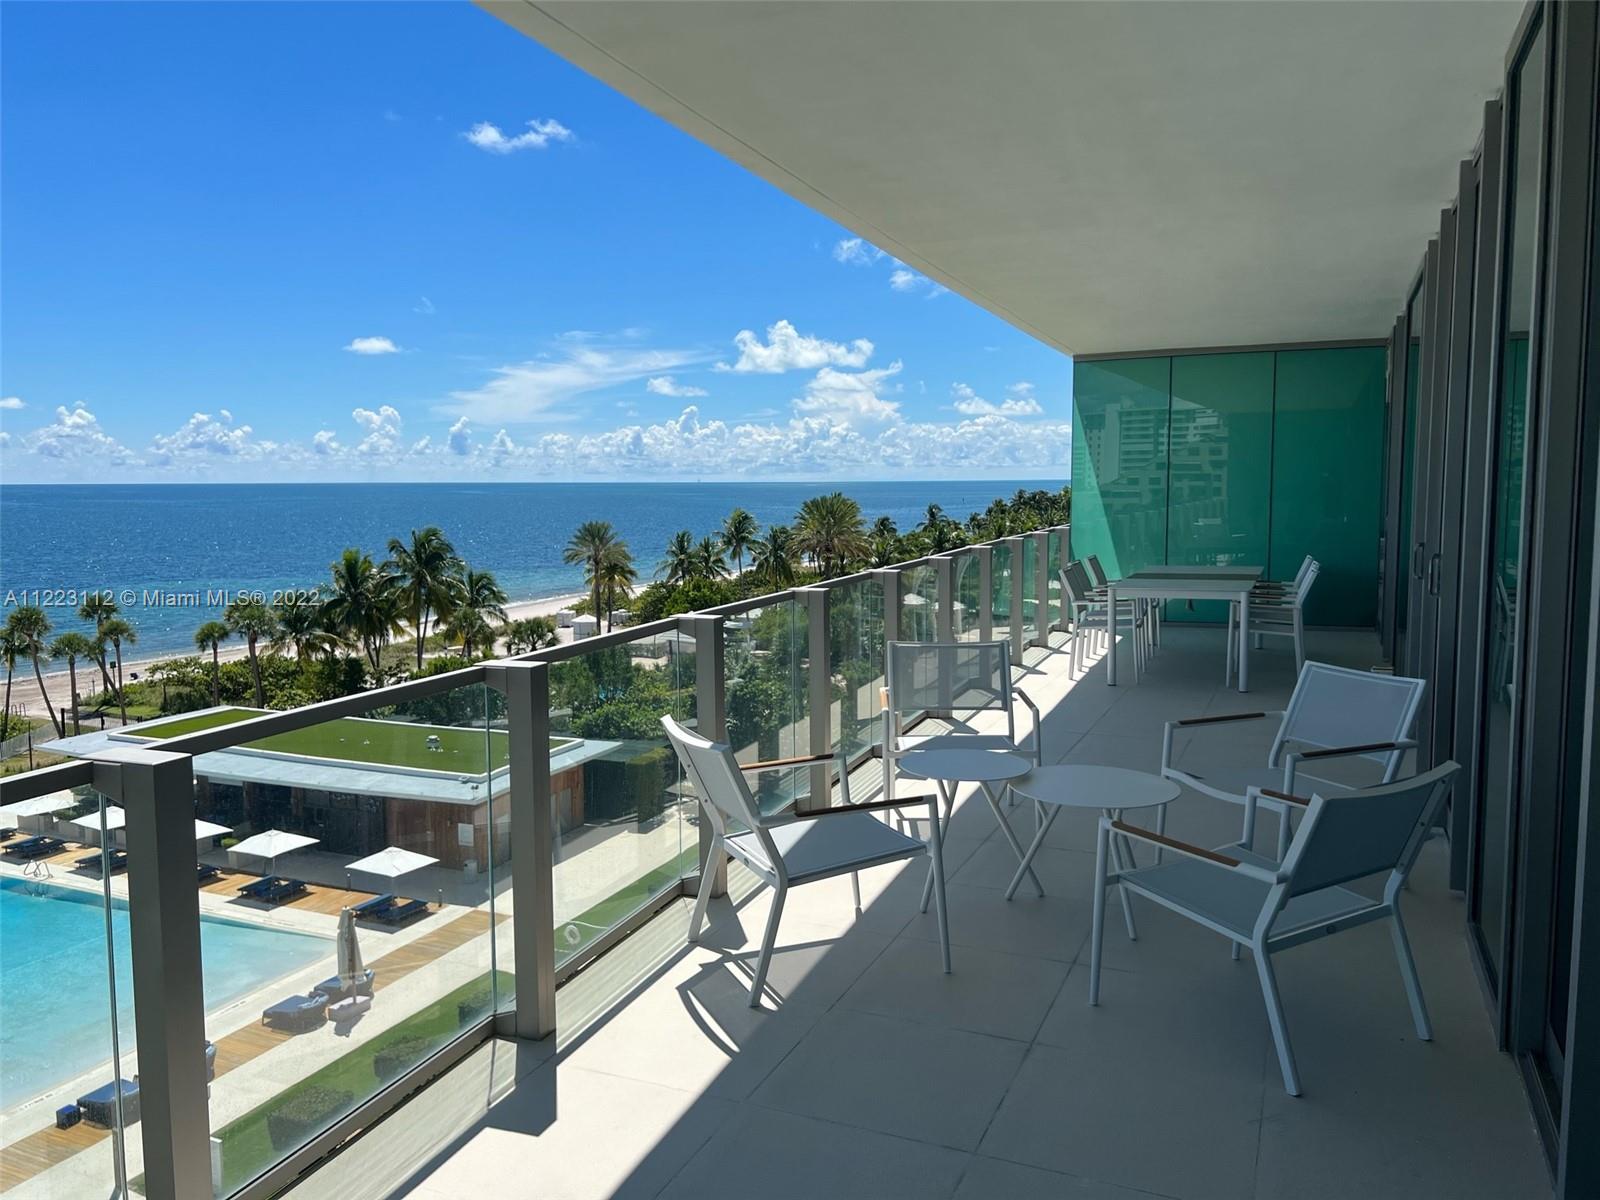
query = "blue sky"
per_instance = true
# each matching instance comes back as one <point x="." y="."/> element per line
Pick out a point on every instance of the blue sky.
<point x="403" y="241"/>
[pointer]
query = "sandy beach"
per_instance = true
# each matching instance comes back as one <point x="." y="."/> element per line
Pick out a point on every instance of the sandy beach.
<point x="25" y="690"/>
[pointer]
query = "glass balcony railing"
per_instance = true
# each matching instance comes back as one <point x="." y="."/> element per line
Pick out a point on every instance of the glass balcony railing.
<point x="323" y="904"/>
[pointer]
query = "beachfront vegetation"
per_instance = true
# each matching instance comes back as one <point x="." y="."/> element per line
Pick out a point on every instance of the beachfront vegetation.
<point x="379" y="621"/>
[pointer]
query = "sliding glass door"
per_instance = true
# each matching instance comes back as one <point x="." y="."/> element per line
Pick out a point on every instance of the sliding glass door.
<point x="1495" y="808"/>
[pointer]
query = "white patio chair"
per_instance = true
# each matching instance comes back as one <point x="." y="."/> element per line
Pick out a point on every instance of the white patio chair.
<point x="1272" y="906"/>
<point x="1150" y="609"/>
<point x="1089" y="617"/>
<point x="789" y="853"/>
<point x="1283" y="618"/>
<point x="956" y="683"/>
<point x="1334" y="713"/>
<point x="1277" y="589"/>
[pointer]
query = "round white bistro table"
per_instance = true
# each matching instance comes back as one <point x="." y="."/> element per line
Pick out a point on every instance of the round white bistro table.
<point x="948" y="766"/>
<point x="1112" y="790"/>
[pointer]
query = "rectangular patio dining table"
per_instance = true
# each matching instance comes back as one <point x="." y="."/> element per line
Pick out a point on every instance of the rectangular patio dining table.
<point x="1188" y="583"/>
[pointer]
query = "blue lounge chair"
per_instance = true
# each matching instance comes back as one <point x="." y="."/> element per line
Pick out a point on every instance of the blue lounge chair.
<point x="35" y="847"/>
<point x="296" y="1013"/>
<point x="119" y="860"/>
<point x="375" y="907"/>
<point x="99" y="1107"/>
<point x="205" y="873"/>
<point x="404" y="911"/>
<point x="273" y="889"/>
<point x="331" y="989"/>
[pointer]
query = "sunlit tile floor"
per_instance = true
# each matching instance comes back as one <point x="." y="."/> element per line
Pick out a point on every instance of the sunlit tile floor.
<point x="870" y="1074"/>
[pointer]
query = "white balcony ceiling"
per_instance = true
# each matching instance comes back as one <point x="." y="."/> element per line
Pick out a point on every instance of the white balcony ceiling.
<point x="1106" y="176"/>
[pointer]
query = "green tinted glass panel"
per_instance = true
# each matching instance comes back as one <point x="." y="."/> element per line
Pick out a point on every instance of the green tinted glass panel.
<point x="1220" y="478"/>
<point x="1119" y="462"/>
<point x="1327" y="480"/>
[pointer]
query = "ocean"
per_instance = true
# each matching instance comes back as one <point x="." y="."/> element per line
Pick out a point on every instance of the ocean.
<point x="149" y="542"/>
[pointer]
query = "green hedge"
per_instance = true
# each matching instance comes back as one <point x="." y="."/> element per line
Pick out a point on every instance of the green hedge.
<point x="303" y="1114"/>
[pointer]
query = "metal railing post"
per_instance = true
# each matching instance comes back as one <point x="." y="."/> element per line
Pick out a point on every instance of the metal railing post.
<point x="819" y="692"/>
<point x="944" y="614"/>
<point x="1041" y="584"/>
<point x="156" y="788"/>
<point x="889" y="579"/>
<point x="985" y="556"/>
<point x="711" y="718"/>
<point x="526" y="686"/>
<point x="1019" y="634"/>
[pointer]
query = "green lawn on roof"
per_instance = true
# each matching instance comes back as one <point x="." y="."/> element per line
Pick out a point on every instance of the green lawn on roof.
<point x="365" y="740"/>
<point x="183" y="725"/>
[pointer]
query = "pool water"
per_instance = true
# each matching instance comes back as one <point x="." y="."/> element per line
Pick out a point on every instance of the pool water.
<point x="54" y="1001"/>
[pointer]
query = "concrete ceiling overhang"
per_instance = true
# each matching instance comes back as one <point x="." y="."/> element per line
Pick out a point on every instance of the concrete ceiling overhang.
<point x="1106" y="176"/>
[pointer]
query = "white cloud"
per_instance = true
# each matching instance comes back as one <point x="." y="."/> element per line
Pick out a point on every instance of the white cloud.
<point x="904" y="279"/>
<point x="372" y="345"/>
<point x="847" y="397"/>
<point x="666" y="385"/>
<point x="424" y="306"/>
<point x="487" y="136"/>
<point x="204" y="437"/>
<point x="528" y="391"/>
<point x="459" y="440"/>
<point x="380" y="431"/>
<point x="856" y="252"/>
<point x="12" y="403"/>
<point x="326" y="442"/>
<point x="1019" y="403"/>
<point x="786" y="349"/>
<point x="75" y="435"/>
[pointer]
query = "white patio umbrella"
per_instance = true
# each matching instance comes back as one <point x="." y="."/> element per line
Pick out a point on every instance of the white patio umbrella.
<point x="391" y="862"/>
<point x="115" y="818"/>
<point x="271" y="843"/>
<point x="209" y="829"/>
<point x="39" y="806"/>
<point x="352" y="972"/>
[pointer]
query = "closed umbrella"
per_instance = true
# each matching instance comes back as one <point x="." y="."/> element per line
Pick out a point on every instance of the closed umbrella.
<point x="352" y="972"/>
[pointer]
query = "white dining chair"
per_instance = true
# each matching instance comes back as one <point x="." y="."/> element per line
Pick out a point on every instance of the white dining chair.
<point x="1283" y="617"/>
<point x="1272" y="906"/>
<point x="1334" y="713"/>
<point x="792" y="852"/>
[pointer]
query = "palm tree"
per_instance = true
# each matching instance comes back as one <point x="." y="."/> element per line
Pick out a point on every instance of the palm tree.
<point x="830" y="529"/>
<point x="31" y="628"/>
<point x="301" y="628"/>
<point x="933" y="517"/>
<point x="739" y="532"/>
<point x="480" y="609"/>
<point x="773" y="557"/>
<point x="679" y="564"/>
<point x="210" y="636"/>
<point x="116" y="632"/>
<point x="99" y="607"/>
<point x="252" y="620"/>
<point x="429" y="571"/>
<point x="708" y="560"/>
<point x="530" y="634"/>
<point x="72" y="646"/>
<point x="365" y="604"/>
<point x="592" y="544"/>
<point x="615" y="577"/>
<point x="11" y="649"/>
<point x="885" y="551"/>
<point x="884" y="527"/>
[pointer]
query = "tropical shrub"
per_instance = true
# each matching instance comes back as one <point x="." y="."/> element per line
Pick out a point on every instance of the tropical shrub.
<point x="305" y="1113"/>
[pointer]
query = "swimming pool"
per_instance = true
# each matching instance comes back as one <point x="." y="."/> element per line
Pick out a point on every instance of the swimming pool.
<point x="54" y="1004"/>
